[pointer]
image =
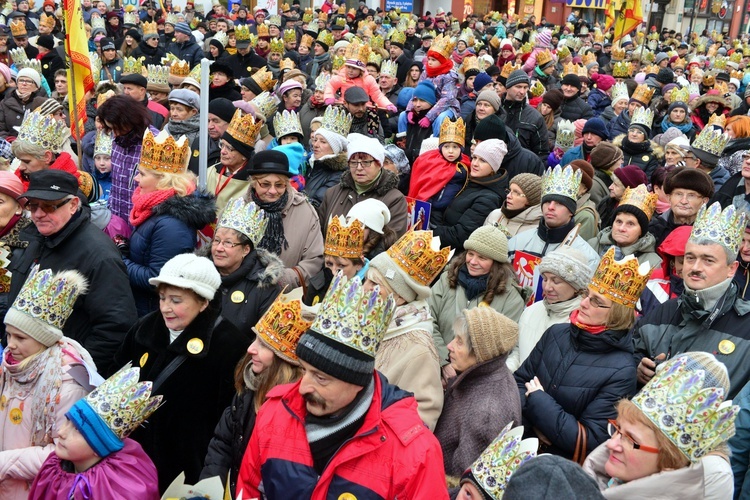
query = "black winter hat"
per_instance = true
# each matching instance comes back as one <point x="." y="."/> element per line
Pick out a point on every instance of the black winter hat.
<point x="571" y="79"/>
<point x="46" y="41"/>
<point x="133" y="33"/>
<point x="639" y="214"/>
<point x="665" y="76"/>
<point x="135" y="79"/>
<point x="270" y="161"/>
<point x="222" y="107"/>
<point x="491" y="127"/>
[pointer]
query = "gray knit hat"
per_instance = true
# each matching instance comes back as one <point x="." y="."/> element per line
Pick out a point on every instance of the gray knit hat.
<point x="491" y="333"/>
<point x="516" y="77"/>
<point x="490" y="96"/>
<point x="570" y="265"/>
<point x="489" y="241"/>
<point x="531" y="185"/>
<point x="398" y="280"/>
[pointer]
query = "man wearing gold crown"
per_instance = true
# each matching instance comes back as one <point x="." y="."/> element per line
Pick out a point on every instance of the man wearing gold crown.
<point x="710" y="315"/>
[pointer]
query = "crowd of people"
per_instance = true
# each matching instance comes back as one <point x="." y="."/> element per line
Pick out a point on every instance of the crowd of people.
<point x="430" y="257"/>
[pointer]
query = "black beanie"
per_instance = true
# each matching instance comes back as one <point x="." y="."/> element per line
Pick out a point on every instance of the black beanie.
<point x="46" y="41"/>
<point x="571" y="79"/>
<point x="665" y="76"/>
<point x="491" y="127"/>
<point x="335" y="358"/>
<point x="222" y="107"/>
<point x="637" y="212"/>
<point x="134" y="34"/>
<point x="568" y="203"/>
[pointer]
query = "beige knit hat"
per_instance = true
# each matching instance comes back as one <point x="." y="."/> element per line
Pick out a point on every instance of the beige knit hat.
<point x="491" y="333"/>
<point x="489" y="241"/>
<point x="531" y="185"/>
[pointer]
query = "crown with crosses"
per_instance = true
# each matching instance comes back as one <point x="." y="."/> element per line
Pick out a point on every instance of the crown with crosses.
<point x="286" y="123"/>
<point x="163" y="154"/>
<point x="620" y="281"/>
<point x="724" y="227"/>
<point x="245" y="218"/>
<point x="337" y="120"/>
<point x="43" y="130"/>
<point x="344" y="237"/>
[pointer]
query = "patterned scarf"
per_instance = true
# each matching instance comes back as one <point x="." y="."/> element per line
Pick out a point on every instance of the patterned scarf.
<point x="144" y="203"/>
<point x="273" y="240"/>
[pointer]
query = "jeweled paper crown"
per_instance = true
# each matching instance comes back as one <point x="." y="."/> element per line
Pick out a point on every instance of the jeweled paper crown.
<point x="566" y="135"/>
<point x="508" y="68"/>
<point x="96" y="67"/>
<point x="340" y="21"/>
<point x="544" y="57"/>
<point x="400" y="37"/>
<point x="245" y="218"/>
<point x="739" y="75"/>
<point x="620" y="281"/>
<point x="453" y="131"/>
<point x="45" y="20"/>
<point x="687" y="404"/>
<point x="337" y="120"/>
<point x="643" y="94"/>
<point x="264" y="79"/>
<point x="375" y="58"/>
<point x="640" y="198"/>
<point x="266" y="104"/>
<point x="467" y="36"/>
<point x="306" y="41"/>
<point x="132" y="65"/>
<point x="419" y="255"/>
<point x="720" y="63"/>
<point x="179" y="68"/>
<point x="344" y="237"/>
<point x="377" y="42"/>
<point x="172" y="19"/>
<point x="563" y="52"/>
<point x="284" y="323"/>
<point x="717" y="120"/>
<point x="158" y="75"/>
<point x="244" y="127"/>
<point x="357" y="54"/>
<point x="642" y="116"/>
<point x="163" y="154"/>
<point x="277" y="45"/>
<point x="18" y="27"/>
<point x="43" y="131"/>
<point x="470" y="63"/>
<point x="325" y="37"/>
<point x="588" y="58"/>
<point x="308" y="15"/>
<point x="622" y="69"/>
<point x="286" y="64"/>
<point x="570" y="69"/>
<point x="274" y="20"/>
<point x="242" y="32"/>
<point x="536" y="89"/>
<point x="497" y="463"/>
<point x="290" y="36"/>
<point x="130" y="18"/>
<point x="19" y="57"/>
<point x="526" y="48"/>
<point x="322" y="80"/>
<point x="562" y="182"/>
<point x="222" y="38"/>
<point x="149" y="28"/>
<point x="443" y="45"/>
<point x="286" y="123"/>
<point x="711" y="140"/>
<point x="724" y="227"/>
<point x="352" y="316"/>
<point x="98" y="22"/>
<point x="618" y="53"/>
<point x="103" y="144"/>
<point x="680" y="95"/>
<point x="123" y="402"/>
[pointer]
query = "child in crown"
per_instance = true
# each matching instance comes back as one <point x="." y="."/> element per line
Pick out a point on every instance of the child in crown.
<point x="93" y="458"/>
<point x="354" y="74"/>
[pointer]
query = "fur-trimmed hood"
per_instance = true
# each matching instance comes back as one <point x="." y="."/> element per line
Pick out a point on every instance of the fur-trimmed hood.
<point x="387" y="181"/>
<point x="656" y="150"/>
<point x="335" y="163"/>
<point x="259" y="265"/>
<point x="195" y="210"/>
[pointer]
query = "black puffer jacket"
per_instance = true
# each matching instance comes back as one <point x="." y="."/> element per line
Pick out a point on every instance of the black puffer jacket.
<point x="520" y="160"/>
<point x="575" y="108"/>
<point x="527" y="125"/>
<point x="647" y="155"/>
<point x="583" y="377"/>
<point x="324" y="174"/>
<point x="152" y="55"/>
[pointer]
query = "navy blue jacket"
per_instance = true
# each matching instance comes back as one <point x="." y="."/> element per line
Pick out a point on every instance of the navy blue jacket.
<point x="188" y="51"/>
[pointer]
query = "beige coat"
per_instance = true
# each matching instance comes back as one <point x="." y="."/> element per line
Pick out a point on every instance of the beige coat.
<point x="525" y="221"/>
<point x="234" y="188"/>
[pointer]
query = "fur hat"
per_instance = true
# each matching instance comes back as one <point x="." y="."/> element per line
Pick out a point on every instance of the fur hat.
<point x="570" y="264"/>
<point x="489" y="241"/>
<point x="689" y="178"/>
<point x="604" y="155"/>
<point x="491" y="333"/>
<point x="531" y="186"/>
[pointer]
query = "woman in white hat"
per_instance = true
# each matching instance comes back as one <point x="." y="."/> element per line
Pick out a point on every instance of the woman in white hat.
<point x="375" y="215"/>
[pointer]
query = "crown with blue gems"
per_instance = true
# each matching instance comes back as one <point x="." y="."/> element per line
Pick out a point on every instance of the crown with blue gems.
<point x="344" y="237"/>
<point x="562" y="182"/>
<point x="265" y="103"/>
<point x="286" y="123"/>
<point x="43" y="130"/>
<point x="724" y="227"/>
<point x="245" y="218"/>
<point x="389" y="68"/>
<point x="132" y="65"/>
<point x="103" y="144"/>
<point x="642" y="116"/>
<point x="337" y="120"/>
<point x="19" y="57"/>
<point x="352" y="316"/>
<point x="497" y="463"/>
<point x="711" y="140"/>
<point x="620" y="281"/>
<point x="321" y="81"/>
<point x="686" y="401"/>
<point x="158" y="75"/>
<point x="566" y="135"/>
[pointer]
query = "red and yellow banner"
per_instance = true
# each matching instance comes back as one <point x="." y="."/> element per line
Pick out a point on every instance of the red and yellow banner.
<point x="624" y="15"/>
<point x="79" y="73"/>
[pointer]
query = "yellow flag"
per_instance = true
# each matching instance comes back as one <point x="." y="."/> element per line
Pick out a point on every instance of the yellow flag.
<point x="625" y="16"/>
<point x="80" y="79"/>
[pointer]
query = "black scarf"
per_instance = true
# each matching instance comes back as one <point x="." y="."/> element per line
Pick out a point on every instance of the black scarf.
<point x="508" y="213"/>
<point x="473" y="285"/>
<point x="273" y="240"/>
<point x="633" y="148"/>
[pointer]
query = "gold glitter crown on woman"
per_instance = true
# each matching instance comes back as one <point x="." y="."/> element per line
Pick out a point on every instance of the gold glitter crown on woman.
<point x="344" y="237"/>
<point x="179" y="68"/>
<point x="640" y="198"/>
<point x="724" y="227"/>
<point x="453" y="131"/>
<point x="163" y="154"/>
<point x="245" y="218"/>
<point x="620" y="281"/>
<point x="18" y="27"/>
<point x="149" y="28"/>
<point x="419" y="255"/>
<point x="497" y="463"/>
<point x="244" y="127"/>
<point x="47" y="21"/>
<point x="284" y="323"/>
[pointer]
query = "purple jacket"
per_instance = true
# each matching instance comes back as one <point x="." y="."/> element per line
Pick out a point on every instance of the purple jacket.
<point x="126" y="153"/>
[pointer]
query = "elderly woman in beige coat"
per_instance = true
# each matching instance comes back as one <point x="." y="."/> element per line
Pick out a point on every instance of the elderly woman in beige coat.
<point x="522" y="207"/>
<point x="293" y="232"/>
<point x="407" y="354"/>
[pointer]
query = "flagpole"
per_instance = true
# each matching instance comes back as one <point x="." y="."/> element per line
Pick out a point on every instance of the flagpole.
<point x="79" y="139"/>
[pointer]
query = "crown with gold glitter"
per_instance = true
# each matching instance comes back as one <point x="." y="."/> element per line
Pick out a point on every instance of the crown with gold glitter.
<point x="453" y="131"/>
<point x="724" y="227"/>
<point x="443" y="45"/>
<point x="163" y="154"/>
<point x="711" y="140"/>
<point x="290" y="36"/>
<point x="149" y="28"/>
<point x="544" y="57"/>
<point x="467" y="36"/>
<point x="337" y="120"/>
<point x="419" y="255"/>
<point x="284" y="323"/>
<point x="132" y="65"/>
<point x="103" y="144"/>
<point x="722" y="87"/>
<point x="265" y="103"/>
<point x="717" y="121"/>
<point x="508" y="68"/>
<point x="325" y="37"/>
<point x="121" y="402"/>
<point x="642" y="116"/>
<point x="588" y="58"/>
<point x="18" y="27"/>
<point x="286" y="64"/>
<point x="307" y="16"/>
<point x="536" y="89"/>
<point x="570" y="69"/>
<point x="340" y="21"/>
<point x="353" y="316"/>
<point x="344" y="237"/>
<point x="264" y="79"/>
<point x="680" y="62"/>
<point x="720" y="63"/>
<point x="680" y="95"/>
<point x="375" y="58"/>
<point x="640" y="198"/>
<point x="244" y="127"/>
<point x="526" y="48"/>
<point x="277" y="45"/>
<point x="47" y="21"/>
<point x="245" y="218"/>
<point x="306" y="41"/>
<point x="397" y="36"/>
<point x="561" y="182"/>
<point x="618" y="53"/>
<point x="172" y="19"/>
<point x="497" y="463"/>
<point x="286" y="123"/>
<point x="563" y="52"/>
<point x="242" y="32"/>
<point x="337" y="62"/>
<point x="622" y="69"/>
<point x="470" y="63"/>
<point x="179" y="68"/>
<point x="356" y="54"/>
<point x="685" y="400"/>
<point x="620" y="281"/>
<point x="377" y="42"/>
<point x="19" y="57"/>
<point x="566" y="135"/>
<point x="43" y="130"/>
<point x="739" y="75"/>
<point x="323" y="16"/>
<point x="643" y="94"/>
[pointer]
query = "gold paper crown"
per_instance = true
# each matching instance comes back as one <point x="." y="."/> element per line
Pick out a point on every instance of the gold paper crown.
<point x="286" y="64"/>
<point x="746" y="51"/>
<point x="507" y="452"/>
<point x="285" y="7"/>
<point x="261" y="30"/>
<point x="277" y="45"/>
<point x="344" y="238"/>
<point x="158" y="75"/>
<point x="508" y="68"/>
<point x="679" y="63"/>
<point x="103" y="144"/>
<point x="709" y="80"/>
<point x="526" y="48"/>
<point x="357" y="54"/>
<point x="163" y="154"/>
<point x="149" y="28"/>
<point x="353" y="316"/>
<point x="121" y="401"/>
<point x="722" y="87"/>
<point x="642" y="116"/>
<point x="264" y="79"/>
<point x="561" y="182"/>
<point x="453" y="131"/>
<point x="47" y="21"/>
<point x="286" y="123"/>
<point x="711" y="140"/>
<point x="739" y="75"/>
<point x="536" y="89"/>
<point x="400" y="37"/>
<point x="132" y="65"/>
<point x="583" y="72"/>
<point x="467" y="36"/>
<point x="443" y="45"/>
<point x="337" y="62"/>
<point x="715" y="120"/>
<point x="563" y="52"/>
<point x="266" y="105"/>
<point x="337" y="120"/>
<point x="680" y="95"/>
<point x="43" y="130"/>
<point x="620" y="281"/>
<point x="543" y="57"/>
<point x="244" y="128"/>
<point x="18" y="27"/>
<point x="724" y="227"/>
<point x="290" y="36"/>
<point x="179" y="68"/>
<point x="622" y="69"/>
<point x="375" y="58"/>
<point x="323" y="16"/>
<point x="651" y="69"/>
<point x="341" y="9"/>
<point x="641" y="199"/>
<point x="245" y="218"/>
<point x="618" y="53"/>
<point x="284" y="323"/>
<point x="566" y="135"/>
<point x="570" y="69"/>
<point x="222" y="38"/>
<point x="588" y="58"/>
<point x="325" y="37"/>
<point x="419" y="255"/>
<point x="242" y="32"/>
<point x="720" y="63"/>
<point x="643" y="94"/>
<point x="340" y="21"/>
<point x="470" y="63"/>
<point x="306" y="41"/>
<point x="308" y="15"/>
<point x="686" y="401"/>
<point x="377" y="42"/>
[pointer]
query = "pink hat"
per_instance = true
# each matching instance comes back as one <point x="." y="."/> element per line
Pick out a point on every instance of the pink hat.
<point x="603" y="82"/>
<point x="286" y="86"/>
<point x="5" y="71"/>
<point x="10" y="184"/>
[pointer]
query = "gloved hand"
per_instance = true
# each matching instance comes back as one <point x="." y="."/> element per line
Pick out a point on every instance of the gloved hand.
<point x="391" y="108"/>
<point x="410" y="117"/>
<point x="123" y="245"/>
<point x="330" y="101"/>
<point x="425" y="122"/>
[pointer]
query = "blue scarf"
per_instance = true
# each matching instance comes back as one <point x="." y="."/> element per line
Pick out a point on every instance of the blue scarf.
<point x="684" y="128"/>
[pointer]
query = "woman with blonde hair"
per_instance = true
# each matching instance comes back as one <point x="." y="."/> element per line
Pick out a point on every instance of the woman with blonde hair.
<point x="166" y="215"/>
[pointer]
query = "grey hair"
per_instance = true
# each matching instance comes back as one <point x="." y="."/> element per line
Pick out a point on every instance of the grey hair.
<point x="461" y="328"/>
<point x="731" y="257"/>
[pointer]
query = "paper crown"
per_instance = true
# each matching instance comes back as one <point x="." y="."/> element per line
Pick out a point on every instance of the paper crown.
<point x="266" y="105"/>
<point x="19" y="57"/>
<point x="158" y="75"/>
<point x="443" y="45"/>
<point x="642" y="116"/>
<point x="104" y="97"/>
<point x="536" y="89"/>
<point x="308" y="15"/>
<point x="375" y="58"/>
<point x="130" y="18"/>
<point x="497" y="463"/>
<point x="172" y="19"/>
<point x="18" y="27"/>
<point x="276" y="45"/>
<point x="722" y="87"/>
<point x="222" y="38"/>
<point x="419" y="255"/>
<point x="46" y="21"/>
<point x="149" y="28"/>
<point x="453" y="131"/>
<point x="352" y="316"/>
<point x="179" y="68"/>
<point x="570" y="69"/>
<point x="306" y="41"/>
<point x="286" y="123"/>
<point x="720" y="63"/>
<point x="290" y="36"/>
<point x="377" y="42"/>
<point x="323" y="16"/>
<point x="640" y="198"/>
<point x="622" y="69"/>
<point x="397" y="36"/>
<point x="724" y="227"/>
<point x="163" y="154"/>
<point x="337" y="62"/>
<point x="122" y="402"/>
<point x="103" y="144"/>
<point x="643" y="94"/>
<point x="274" y="20"/>
<point x="325" y="37"/>
<point x="680" y="95"/>
<point x="337" y="120"/>
<point x="244" y="127"/>
<point x="43" y="131"/>
<point x="711" y="141"/>
<point x="620" y="281"/>
<point x="96" y="67"/>
<point x="680" y="62"/>
<point x="323" y="78"/>
<point x="340" y="21"/>
<point x="98" y="23"/>
<point x="561" y="182"/>
<point x="286" y="64"/>
<point x="242" y="32"/>
<point x="739" y="75"/>
<point x="344" y="237"/>
<point x="717" y="120"/>
<point x="357" y="54"/>
<point x="264" y="79"/>
<point x="563" y="52"/>
<point x="526" y="48"/>
<point x="508" y="68"/>
<point x="544" y="57"/>
<point x="467" y="36"/>
<point x="685" y="401"/>
<point x="132" y="65"/>
<point x="566" y="135"/>
<point x="245" y="218"/>
<point x="588" y="58"/>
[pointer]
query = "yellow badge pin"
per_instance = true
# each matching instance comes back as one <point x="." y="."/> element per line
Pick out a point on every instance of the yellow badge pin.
<point x="195" y="346"/>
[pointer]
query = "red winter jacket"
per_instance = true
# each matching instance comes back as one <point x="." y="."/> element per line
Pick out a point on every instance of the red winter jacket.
<point x="393" y="455"/>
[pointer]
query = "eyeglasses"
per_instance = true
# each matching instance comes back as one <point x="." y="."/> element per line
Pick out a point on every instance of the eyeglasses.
<point x="47" y="208"/>
<point x="268" y="185"/>
<point x="360" y="163"/>
<point x="225" y="145"/>
<point x="691" y="197"/>
<point x="225" y="243"/>
<point x="514" y="193"/>
<point x="24" y="81"/>
<point x="594" y="301"/>
<point x="626" y="440"/>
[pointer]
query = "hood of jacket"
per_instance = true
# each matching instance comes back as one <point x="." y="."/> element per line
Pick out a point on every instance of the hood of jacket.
<point x="387" y="181"/>
<point x="260" y="266"/>
<point x="335" y="163"/>
<point x="195" y="210"/>
<point x="642" y="245"/>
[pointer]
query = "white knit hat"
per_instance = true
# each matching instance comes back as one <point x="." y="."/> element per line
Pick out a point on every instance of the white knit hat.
<point x="32" y="74"/>
<point x="373" y="213"/>
<point x="336" y="141"/>
<point x="359" y="143"/>
<point x="570" y="265"/>
<point x="492" y="151"/>
<point x="192" y="272"/>
<point x="429" y="144"/>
